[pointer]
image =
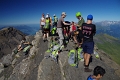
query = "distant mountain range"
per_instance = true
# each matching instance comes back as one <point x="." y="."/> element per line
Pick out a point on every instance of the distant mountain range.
<point x="109" y="27"/>
<point x="27" y="29"/>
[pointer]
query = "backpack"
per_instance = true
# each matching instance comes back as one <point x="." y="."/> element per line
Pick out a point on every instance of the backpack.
<point x="96" y="54"/>
<point x="72" y="57"/>
<point x="53" y="31"/>
<point x="79" y="51"/>
<point x="55" y="19"/>
<point x="47" y="24"/>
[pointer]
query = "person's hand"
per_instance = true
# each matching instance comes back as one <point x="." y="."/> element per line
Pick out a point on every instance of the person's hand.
<point x="81" y="43"/>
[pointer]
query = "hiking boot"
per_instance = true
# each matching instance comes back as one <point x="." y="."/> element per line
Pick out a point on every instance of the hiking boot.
<point x="87" y="69"/>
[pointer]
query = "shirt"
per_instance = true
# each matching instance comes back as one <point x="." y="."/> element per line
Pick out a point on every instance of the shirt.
<point x="60" y="23"/>
<point x="80" y="22"/>
<point x="88" y="31"/>
<point x="73" y="27"/>
<point x="42" y="21"/>
<point x="90" y="78"/>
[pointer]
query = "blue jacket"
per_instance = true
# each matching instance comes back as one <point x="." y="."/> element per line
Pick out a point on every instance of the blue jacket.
<point x="90" y="78"/>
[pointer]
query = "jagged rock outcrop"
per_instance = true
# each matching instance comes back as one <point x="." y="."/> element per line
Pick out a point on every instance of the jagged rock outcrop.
<point x="9" y="39"/>
<point x="35" y="67"/>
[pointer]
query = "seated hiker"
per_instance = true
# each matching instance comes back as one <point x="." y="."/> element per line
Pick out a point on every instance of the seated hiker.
<point x="97" y="73"/>
<point x="23" y="44"/>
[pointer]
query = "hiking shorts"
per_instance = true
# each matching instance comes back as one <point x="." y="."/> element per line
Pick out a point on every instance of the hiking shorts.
<point x="23" y="46"/>
<point x="42" y="28"/>
<point x="46" y="30"/>
<point x="88" y="47"/>
<point x="72" y="33"/>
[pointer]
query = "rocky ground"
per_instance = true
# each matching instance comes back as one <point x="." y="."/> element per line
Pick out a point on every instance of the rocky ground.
<point x="9" y="39"/>
<point x="35" y="67"/>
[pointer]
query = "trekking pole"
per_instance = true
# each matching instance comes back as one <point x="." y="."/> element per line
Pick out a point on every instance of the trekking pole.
<point x="76" y="57"/>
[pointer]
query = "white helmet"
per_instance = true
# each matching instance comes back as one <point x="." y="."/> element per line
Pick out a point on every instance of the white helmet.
<point x="47" y="16"/>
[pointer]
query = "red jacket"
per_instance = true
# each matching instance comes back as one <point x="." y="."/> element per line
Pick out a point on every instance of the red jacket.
<point x="73" y="27"/>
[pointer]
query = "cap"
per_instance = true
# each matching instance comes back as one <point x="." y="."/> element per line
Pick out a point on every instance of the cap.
<point x="64" y="13"/>
<point x="89" y="17"/>
<point x="78" y="14"/>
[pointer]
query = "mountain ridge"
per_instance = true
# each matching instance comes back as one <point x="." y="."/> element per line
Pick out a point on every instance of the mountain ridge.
<point x="35" y="67"/>
<point x="10" y="37"/>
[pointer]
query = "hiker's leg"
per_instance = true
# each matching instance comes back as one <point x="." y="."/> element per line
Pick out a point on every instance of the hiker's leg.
<point x="19" y="49"/>
<point x="44" y="35"/>
<point x="60" y="33"/>
<point x="47" y="34"/>
<point x="89" y="51"/>
<point x="84" y="50"/>
<point x="87" y="59"/>
<point x="85" y="56"/>
<point x="61" y="42"/>
<point x="19" y="46"/>
<point x="42" y="29"/>
<point x="75" y="39"/>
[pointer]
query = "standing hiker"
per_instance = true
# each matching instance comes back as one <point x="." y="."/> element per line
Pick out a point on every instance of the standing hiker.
<point x="88" y="30"/>
<point x="54" y="28"/>
<point x="50" y="22"/>
<point x="60" y="26"/>
<point x="55" y="21"/>
<point x="81" y="20"/>
<point x="42" y="22"/>
<point x="46" y="28"/>
<point x="79" y="25"/>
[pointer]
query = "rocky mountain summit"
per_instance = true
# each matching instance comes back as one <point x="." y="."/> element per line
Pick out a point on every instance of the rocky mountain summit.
<point x="35" y="67"/>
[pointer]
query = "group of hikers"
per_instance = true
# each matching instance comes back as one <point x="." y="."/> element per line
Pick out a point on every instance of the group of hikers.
<point x="81" y="34"/>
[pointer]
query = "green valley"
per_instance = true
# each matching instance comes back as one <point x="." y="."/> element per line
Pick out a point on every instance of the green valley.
<point x="110" y="45"/>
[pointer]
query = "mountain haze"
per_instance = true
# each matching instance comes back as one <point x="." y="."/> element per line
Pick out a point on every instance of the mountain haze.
<point x="111" y="28"/>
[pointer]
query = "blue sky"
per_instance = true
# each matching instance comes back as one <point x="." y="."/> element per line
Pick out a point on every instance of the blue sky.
<point x="29" y="11"/>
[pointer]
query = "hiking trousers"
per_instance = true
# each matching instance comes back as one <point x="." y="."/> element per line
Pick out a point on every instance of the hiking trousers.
<point x="61" y="37"/>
